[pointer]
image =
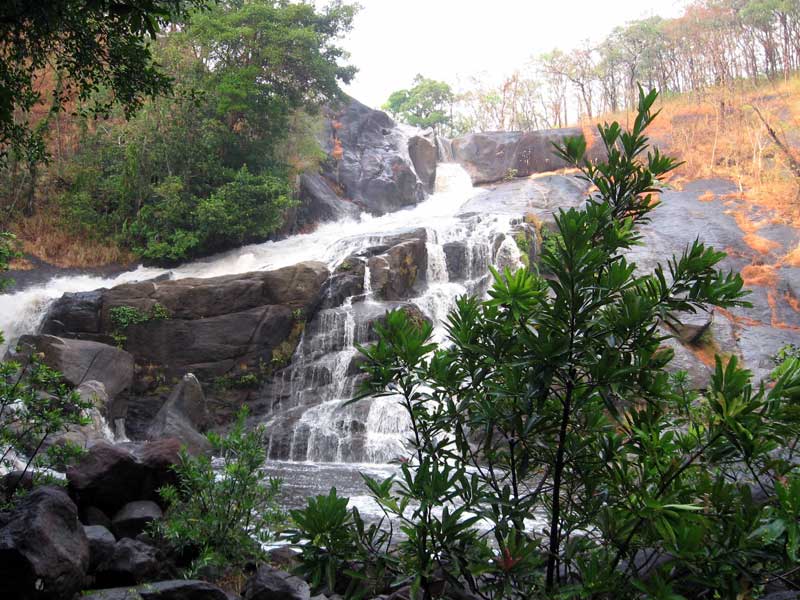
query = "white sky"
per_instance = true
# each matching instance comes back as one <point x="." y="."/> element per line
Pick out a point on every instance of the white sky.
<point x="393" y="40"/>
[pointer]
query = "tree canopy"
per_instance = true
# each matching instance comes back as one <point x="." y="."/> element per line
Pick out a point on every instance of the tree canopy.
<point x="428" y="103"/>
<point x="95" y="51"/>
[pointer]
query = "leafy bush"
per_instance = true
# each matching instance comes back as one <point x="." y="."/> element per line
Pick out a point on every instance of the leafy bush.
<point x="8" y="252"/>
<point x="339" y="552"/>
<point x="35" y="403"/>
<point x="223" y="513"/>
<point x="123" y="317"/>
<point x="551" y="418"/>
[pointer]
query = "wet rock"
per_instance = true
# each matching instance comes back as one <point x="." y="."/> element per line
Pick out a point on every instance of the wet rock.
<point x="44" y="552"/>
<point x="181" y="589"/>
<point x="319" y="202"/>
<point x="214" y="324"/>
<point x="130" y="562"/>
<point x="183" y="416"/>
<point x="81" y="360"/>
<point x="395" y="274"/>
<point x="269" y="583"/>
<point x="109" y="476"/>
<point x="133" y="518"/>
<point x="347" y="280"/>
<point x="75" y="312"/>
<point x="101" y="544"/>
<point x="423" y="155"/>
<point x="370" y="163"/>
<point x="493" y="156"/>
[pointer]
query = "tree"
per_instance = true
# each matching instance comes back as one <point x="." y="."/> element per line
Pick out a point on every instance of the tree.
<point x="428" y="103"/>
<point x="552" y="403"/>
<point x="207" y="168"/>
<point x="93" y="51"/>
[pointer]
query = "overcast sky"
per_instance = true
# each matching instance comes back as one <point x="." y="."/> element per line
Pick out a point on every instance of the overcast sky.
<point x="393" y="40"/>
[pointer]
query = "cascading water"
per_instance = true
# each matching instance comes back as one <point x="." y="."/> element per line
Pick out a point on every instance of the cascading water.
<point x="306" y="404"/>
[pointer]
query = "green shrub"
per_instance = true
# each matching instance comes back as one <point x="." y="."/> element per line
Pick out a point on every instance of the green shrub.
<point x="223" y="514"/>
<point x="8" y="252"/>
<point x="35" y="403"/>
<point x="123" y="317"/>
<point x="551" y="402"/>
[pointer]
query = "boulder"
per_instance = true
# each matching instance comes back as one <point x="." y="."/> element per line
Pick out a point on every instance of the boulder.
<point x="496" y="155"/>
<point x="101" y="544"/>
<point x="423" y="154"/>
<point x="75" y="312"/>
<point x="319" y="202"/>
<point x="109" y="476"/>
<point x="183" y="416"/>
<point x="269" y="583"/>
<point x="44" y="552"/>
<point x="370" y="163"/>
<point x="80" y="361"/>
<point x="133" y="518"/>
<point x="213" y="325"/>
<point x="180" y="589"/>
<point x="395" y="273"/>
<point x="129" y="563"/>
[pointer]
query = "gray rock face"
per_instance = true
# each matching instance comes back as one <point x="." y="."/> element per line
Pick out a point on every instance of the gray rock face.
<point x="93" y="432"/>
<point x="44" y="552"/>
<point x="183" y="416"/>
<point x="82" y="360"/>
<point x="133" y="518"/>
<point x="181" y="589"/>
<point x="214" y="324"/>
<point x="492" y="156"/>
<point x="101" y="544"/>
<point x="130" y="562"/>
<point x="373" y="169"/>
<point x="109" y="476"/>
<point x="423" y="155"/>
<point x="319" y="202"/>
<point x="395" y="272"/>
<point x="269" y="583"/>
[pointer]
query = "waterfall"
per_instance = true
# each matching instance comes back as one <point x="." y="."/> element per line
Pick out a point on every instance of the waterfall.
<point x="307" y="408"/>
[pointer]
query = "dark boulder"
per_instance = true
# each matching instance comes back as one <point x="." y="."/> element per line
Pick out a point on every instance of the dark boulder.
<point x="181" y="589"/>
<point x="91" y="515"/>
<point x="269" y="583"/>
<point x="109" y="476"/>
<point x="320" y="203"/>
<point x="101" y="544"/>
<point x="130" y="562"/>
<point x="133" y="518"/>
<point x="83" y="360"/>
<point x="75" y="312"/>
<point x="212" y="326"/>
<point x="44" y="552"/>
<point x="183" y="416"/>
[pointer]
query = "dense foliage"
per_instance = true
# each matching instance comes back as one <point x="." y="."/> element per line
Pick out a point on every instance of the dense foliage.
<point x="64" y="50"/>
<point x="221" y="511"/>
<point x="551" y="452"/>
<point x="428" y="103"/>
<point x="35" y="403"/>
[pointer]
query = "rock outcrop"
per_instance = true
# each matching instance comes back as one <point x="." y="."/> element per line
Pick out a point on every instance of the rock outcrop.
<point x="44" y="552"/>
<point x="496" y="155"/>
<point x="80" y="361"/>
<point x="269" y="583"/>
<point x="205" y="326"/>
<point x="183" y="416"/>
<point x="373" y="165"/>
<point x="180" y="589"/>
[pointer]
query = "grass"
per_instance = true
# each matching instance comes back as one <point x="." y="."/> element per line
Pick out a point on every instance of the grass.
<point x="45" y="236"/>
